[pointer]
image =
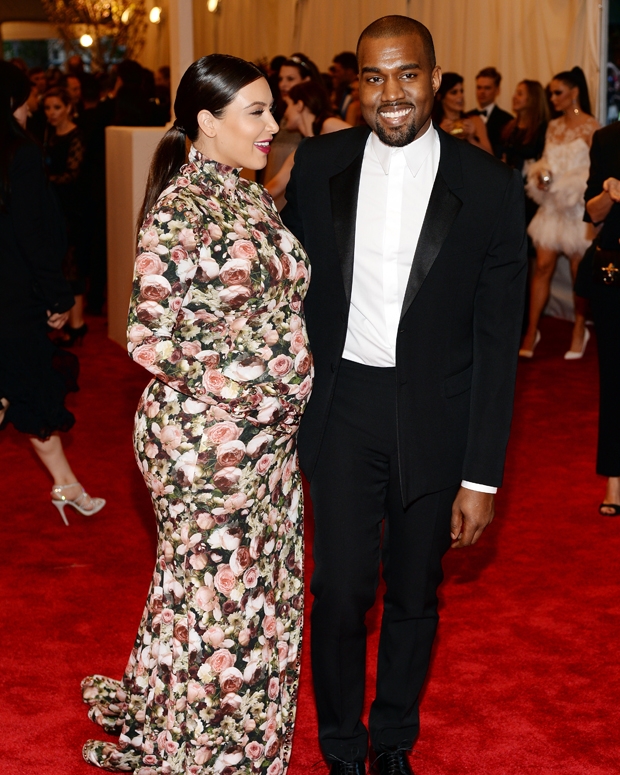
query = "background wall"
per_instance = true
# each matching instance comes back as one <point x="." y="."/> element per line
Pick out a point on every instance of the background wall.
<point x="522" y="38"/>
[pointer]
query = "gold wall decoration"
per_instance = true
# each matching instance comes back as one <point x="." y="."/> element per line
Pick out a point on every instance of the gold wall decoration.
<point x="117" y="27"/>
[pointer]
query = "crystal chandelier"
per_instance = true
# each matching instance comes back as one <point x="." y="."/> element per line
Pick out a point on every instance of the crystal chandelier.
<point x="117" y="28"/>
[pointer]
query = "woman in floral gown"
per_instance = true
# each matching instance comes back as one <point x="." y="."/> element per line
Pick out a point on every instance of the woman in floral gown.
<point x="216" y="316"/>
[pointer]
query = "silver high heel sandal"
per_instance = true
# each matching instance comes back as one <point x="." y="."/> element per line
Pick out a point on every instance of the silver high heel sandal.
<point x="79" y="504"/>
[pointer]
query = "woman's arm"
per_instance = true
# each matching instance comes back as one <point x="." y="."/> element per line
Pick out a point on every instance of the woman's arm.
<point x="75" y="158"/>
<point x="599" y="206"/>
<point x="278" y="183"/>
<point x="476" y="133"/>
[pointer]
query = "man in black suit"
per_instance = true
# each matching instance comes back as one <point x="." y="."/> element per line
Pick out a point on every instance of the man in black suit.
<point x="418" y="253"/>
<point x="488" y="83"/>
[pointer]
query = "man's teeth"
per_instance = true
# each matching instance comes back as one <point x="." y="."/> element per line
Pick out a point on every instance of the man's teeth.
<point x="396" y="113"/>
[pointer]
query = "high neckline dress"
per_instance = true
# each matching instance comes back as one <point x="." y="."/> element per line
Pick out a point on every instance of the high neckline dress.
<point x="216" y="316"/>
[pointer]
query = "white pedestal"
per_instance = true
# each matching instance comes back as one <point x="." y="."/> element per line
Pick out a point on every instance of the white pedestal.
<point x="128" y="157"/>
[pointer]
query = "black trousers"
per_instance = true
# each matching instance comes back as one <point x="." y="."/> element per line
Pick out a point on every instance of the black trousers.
<point x="605" y="306"/>
<point x="359" y="523"/>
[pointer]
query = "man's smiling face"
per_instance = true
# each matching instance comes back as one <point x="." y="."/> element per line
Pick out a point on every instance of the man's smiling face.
<point x="397" y="87"/>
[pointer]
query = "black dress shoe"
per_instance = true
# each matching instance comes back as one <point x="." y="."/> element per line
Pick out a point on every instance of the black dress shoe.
<point x="347" y="768"/>
<point x="392" y="763"/>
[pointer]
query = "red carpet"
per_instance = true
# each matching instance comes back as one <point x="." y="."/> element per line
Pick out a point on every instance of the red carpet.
<point x="526" y="675"/>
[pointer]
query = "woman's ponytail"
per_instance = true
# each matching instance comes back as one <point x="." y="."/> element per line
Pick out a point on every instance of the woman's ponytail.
<point x="170" y="155"/>
<point x="576" y="78"/>
<point x="211" y="83"/>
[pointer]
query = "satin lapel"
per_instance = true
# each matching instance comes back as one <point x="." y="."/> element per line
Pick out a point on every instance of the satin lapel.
<point x="443" y="207"/>
<point x="344" y="189"/>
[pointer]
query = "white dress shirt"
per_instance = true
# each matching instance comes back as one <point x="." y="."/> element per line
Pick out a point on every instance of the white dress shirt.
<point x="487" y="112"/>
<point x="386" y="237"/>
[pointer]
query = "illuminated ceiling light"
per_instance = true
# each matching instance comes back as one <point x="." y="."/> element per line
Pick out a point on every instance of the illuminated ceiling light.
<point x="86" y="41"/>
<point x="212" y="5"/>
<point x="125" y="15"/>
<point x="155" y="15"/>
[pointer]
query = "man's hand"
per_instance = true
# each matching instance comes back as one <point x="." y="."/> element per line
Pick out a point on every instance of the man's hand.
<point x="472" y="511"/>
<point x="57" y="320"/>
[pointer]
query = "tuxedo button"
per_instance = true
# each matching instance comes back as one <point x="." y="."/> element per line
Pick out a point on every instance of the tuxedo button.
<point x="343" y="316"/>
<point x="333" y="366"/>
<point x="402" y="381"/>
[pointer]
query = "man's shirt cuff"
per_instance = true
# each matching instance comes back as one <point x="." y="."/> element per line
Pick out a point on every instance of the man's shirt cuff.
<point x="479" y="487"/>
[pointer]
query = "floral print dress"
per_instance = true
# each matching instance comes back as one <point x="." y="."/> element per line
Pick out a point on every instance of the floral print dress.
<point x="216" y="316"/>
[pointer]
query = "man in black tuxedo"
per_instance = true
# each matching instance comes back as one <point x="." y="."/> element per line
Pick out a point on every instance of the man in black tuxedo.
<point x="418" y="253"/>
<point x="488" y="83"/>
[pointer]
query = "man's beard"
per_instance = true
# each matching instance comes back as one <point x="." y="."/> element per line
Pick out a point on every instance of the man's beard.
<point x="397" y="137"/>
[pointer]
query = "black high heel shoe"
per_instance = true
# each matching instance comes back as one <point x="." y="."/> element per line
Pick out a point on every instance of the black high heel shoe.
<point x="73" y="335"/>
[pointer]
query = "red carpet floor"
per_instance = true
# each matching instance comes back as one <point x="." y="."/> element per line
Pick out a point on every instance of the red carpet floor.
<point x="526" y="675"/>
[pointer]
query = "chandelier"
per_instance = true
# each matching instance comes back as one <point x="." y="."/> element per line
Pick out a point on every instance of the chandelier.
<point x="110" y="29"/>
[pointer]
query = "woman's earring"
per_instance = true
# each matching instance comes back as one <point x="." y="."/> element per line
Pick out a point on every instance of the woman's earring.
<point x="576" y="110"/>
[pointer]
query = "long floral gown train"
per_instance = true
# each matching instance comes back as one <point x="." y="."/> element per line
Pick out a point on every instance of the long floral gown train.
<point x="216" y="316"/>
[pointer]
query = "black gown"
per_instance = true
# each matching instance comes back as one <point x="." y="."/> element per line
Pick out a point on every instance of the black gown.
<point x="35" y="375"/>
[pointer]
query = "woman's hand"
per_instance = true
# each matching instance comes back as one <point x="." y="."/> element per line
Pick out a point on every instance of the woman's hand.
<point x="57" y="320"/>
<point x="612" y="186"/>
<point x="469" y="129"/>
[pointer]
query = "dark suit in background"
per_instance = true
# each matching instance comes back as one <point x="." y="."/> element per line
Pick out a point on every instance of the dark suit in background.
<point x="495" y="123"/>
<point x="378" y="442"/>
<point x="605" y="301"/>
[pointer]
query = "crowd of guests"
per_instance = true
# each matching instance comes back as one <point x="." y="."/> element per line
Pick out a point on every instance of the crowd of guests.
<point x="547" y="137"/>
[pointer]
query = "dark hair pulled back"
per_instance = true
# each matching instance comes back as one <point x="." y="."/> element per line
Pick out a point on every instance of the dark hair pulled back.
<point x="576" y="78"/>
<point x="211" y="83"/>
<point x="448" y="82"/>
<point x="315" y="99"/>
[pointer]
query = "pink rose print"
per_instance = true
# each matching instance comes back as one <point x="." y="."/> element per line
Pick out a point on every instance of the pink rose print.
<point x="303" y="361"/>
<point x="236" y="272"/>
<point x="242" y="249"/>
<point x="145" y="355"/>
<point x="214" y="381"/>
<point x="230" y="453"/>
<point x="138" y="333"/>
<point x="298" y="342"/>
<point x="178" y="254"/>
<point x="280" y="366"/>
<point x="149" y="239"/>
<point x="149" y="263"/>
<point x="250" y="577"/>
<point x="254" y="750"/>
<point x="187" y="238"/>
<point x="149" y="312"/>
<point x="204" y="598"/>
<point x="235" y="295"/>
<point x="216" y="315"/>
<point x="171" y="436"/>
<point x="221" y="660"/>
<point x="222" y="432"/>
<point x="226" y="478"/>
<point x="231" y="680"/>
<point x="225" y="580"/>
<point x="154" y="288"/>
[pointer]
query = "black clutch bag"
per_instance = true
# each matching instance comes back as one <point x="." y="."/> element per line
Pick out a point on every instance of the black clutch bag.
<point x="606" y="267"/>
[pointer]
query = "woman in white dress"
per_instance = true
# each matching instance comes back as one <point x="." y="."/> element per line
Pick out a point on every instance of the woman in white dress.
<point x="557" y="182"/>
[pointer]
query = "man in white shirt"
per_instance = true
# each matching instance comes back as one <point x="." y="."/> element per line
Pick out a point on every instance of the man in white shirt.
<point x="417" y="245"/>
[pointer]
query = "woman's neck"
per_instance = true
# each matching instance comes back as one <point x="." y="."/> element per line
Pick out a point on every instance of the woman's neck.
<point x="306" y="123"/>
<point x="573" y="118"/>
<point x="65" y="127"/>
<point x="450" y="114"/>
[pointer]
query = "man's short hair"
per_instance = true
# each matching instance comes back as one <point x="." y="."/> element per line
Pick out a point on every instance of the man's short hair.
<point x="490" y="72"/>
<point x="347" y="60"/>
<point x="394" y="26"/>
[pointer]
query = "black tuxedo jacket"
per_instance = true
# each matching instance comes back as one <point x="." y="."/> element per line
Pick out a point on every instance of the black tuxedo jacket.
<point x="605" y="163"/>
<point x="457" y="344"/>
<point x="495" y="123"/>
